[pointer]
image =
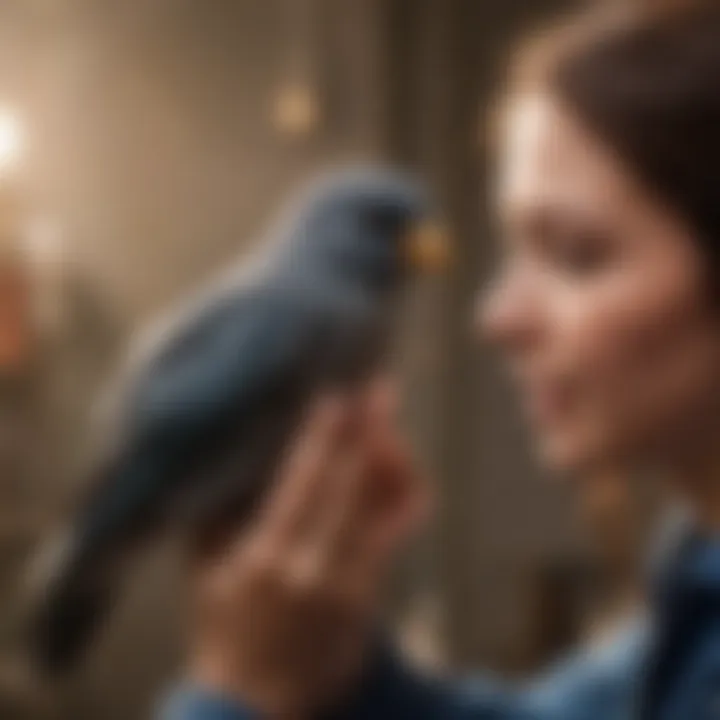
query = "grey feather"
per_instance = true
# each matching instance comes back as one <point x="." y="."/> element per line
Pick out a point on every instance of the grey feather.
<point x="210" y="400"/>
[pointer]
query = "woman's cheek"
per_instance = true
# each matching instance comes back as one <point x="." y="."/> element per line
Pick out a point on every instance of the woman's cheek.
<point x="600" y="350"/>
<point x="644" y="361"/>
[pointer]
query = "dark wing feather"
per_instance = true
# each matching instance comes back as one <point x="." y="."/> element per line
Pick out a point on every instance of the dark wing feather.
<point x="187" y="402"/>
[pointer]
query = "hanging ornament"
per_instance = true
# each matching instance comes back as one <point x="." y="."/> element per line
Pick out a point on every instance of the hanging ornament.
<point x="296" y="111"/>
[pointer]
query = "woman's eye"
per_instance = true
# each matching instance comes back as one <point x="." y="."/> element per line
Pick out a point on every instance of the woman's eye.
<point x="582" y="256"/>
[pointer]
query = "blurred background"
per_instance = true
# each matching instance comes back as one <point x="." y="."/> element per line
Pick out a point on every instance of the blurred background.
<point x="143" y="144"/>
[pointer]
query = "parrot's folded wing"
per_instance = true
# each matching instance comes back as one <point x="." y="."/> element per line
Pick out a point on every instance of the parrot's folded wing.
<point x="206" y="382"/>
<point x="178" y="417"/>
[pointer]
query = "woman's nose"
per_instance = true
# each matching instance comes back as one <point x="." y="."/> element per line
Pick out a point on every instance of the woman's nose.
<point x="506" y="314"/>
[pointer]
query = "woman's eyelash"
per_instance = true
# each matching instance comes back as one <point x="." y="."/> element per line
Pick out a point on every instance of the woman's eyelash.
<point x="582" y="254"/>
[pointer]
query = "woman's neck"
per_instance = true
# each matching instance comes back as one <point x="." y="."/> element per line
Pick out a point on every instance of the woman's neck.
<point x="699" y="482"/>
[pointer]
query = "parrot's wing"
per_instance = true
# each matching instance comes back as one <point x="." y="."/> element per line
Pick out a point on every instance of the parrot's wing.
<point x="211" y="379"/>
<point x="220" y="363"/>
<point x="185" y="323"/>
<point x="218" y="370"/>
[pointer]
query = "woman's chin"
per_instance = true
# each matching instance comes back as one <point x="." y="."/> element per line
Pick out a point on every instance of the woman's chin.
<point x="572" y="457"/>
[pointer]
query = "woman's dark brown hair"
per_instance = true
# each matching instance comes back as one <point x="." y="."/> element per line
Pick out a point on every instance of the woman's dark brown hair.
<point x="645" y="78"/>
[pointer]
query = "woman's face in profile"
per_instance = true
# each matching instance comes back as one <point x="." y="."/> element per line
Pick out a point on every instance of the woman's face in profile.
<point x="600" y="304"/>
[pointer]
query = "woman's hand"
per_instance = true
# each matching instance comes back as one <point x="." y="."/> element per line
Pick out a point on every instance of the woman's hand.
<point x="284" y="611"/>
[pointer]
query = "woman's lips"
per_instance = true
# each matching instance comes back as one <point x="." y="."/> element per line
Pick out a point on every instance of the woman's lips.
<point x="546" y="404"/>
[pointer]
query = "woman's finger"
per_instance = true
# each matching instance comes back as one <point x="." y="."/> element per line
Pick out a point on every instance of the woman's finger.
<point x="348" y="503"/>
<point x="301" y="477"/>
<point x="340" y="510"/>
<point x="398" y="502"/>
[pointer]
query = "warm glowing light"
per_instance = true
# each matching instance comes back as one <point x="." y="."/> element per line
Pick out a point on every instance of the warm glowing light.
<point x="11" y="141"/>
<point x="297" y="111"/>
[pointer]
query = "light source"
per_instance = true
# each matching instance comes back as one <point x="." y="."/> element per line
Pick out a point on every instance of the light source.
<point x="297" y="105"/>
<point x="11" y="141"/>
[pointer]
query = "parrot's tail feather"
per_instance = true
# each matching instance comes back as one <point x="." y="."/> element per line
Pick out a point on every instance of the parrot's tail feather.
<point x="69" y="605"/>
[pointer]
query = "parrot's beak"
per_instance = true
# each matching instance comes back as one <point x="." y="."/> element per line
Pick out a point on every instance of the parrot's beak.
<point x="427" y="248"/>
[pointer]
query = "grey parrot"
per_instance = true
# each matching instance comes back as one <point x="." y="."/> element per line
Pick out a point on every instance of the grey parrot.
<point x="207" y="404"/>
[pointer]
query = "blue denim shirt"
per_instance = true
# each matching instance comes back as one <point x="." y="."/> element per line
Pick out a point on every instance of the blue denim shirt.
<point x="665" y="669"/>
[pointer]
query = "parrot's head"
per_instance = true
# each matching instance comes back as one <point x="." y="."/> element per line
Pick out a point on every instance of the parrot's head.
<point x="371" y="227"/>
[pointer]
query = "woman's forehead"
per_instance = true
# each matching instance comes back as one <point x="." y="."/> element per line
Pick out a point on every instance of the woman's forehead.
<point x="547" y="158"/>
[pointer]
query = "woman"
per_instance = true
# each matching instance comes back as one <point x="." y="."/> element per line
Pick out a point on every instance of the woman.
<point x="606" y="305"/>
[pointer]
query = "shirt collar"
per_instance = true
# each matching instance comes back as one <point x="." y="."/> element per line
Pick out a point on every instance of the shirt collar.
<point x="685" y="561"/>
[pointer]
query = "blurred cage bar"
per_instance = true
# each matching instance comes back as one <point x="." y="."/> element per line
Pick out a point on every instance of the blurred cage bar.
<point x="162" y="133"/>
